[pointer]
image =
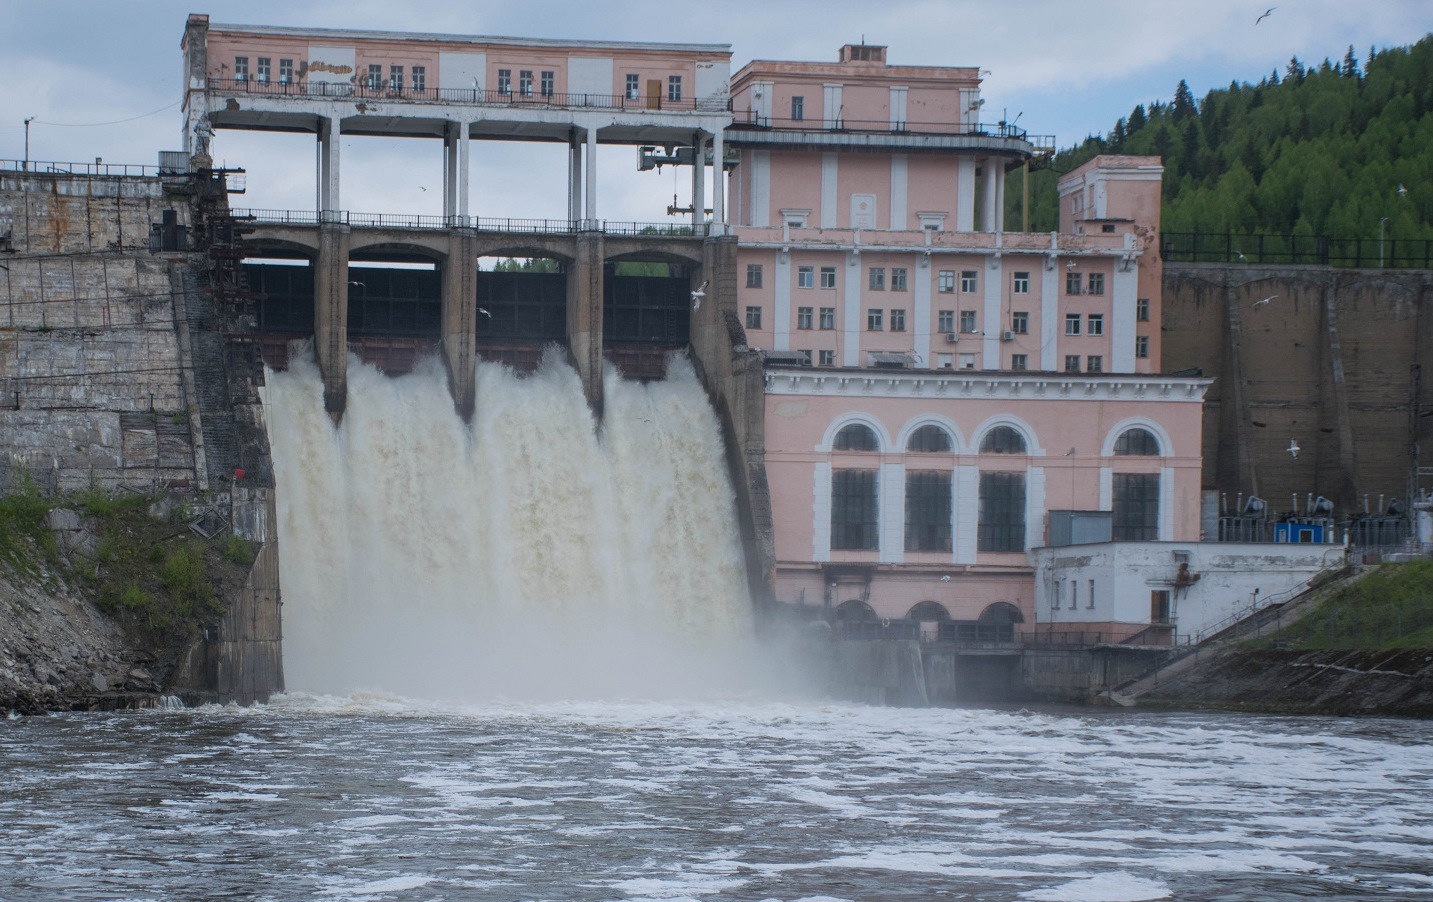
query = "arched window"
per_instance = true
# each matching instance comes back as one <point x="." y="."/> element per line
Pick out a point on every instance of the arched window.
<point x="855" y="610"/>
<point x="929" y="439"/>
<point x="856" y="437"/>
<point x="1137" y="442"/>
<point x="1001" y="612"/>
<point x="1002" y="440"/>
<point x="928" y="612"/>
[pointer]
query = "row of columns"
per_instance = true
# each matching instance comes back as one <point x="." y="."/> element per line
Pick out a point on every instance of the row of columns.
<point x="581" y="173"/>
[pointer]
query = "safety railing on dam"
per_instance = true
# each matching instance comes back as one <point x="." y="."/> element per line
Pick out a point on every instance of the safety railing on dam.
<point x="384" y="90"/>
<point x="480" y="223"/>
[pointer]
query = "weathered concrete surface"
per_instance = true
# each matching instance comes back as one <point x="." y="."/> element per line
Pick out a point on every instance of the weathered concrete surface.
<point x="1398" y="682"/>
<point x="1326" y="362"/>
<point x="881" y="672"/>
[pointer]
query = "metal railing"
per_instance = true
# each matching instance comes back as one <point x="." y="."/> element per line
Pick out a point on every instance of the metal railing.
<point x="366" y="90"/>
<point x="752" y="119"/>
<point x="481" y="223"/>
<point x="1282" y="250"/>
<point x="98" y="169"/>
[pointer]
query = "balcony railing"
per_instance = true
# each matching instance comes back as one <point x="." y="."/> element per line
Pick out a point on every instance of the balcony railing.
<point x="49" y="166"/>
<point x="751" y="120"/>
<point x="364" y="90"/>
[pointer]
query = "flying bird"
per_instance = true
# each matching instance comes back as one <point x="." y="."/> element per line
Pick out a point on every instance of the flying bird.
<point x="700" y="293"/>
<point x="946" y="578"/>
<point x="1402" y="191"/>
<point x="1242" y="258"/>
<point x="1070" y="265"/>
<point x="1258" y="304"/>
<point x="1293" y="448"/>
<point x="359" y="284"/>
<point x="1070" y="453"/>
<point x="1265" y="15"/>
<point x="484" y="312"/>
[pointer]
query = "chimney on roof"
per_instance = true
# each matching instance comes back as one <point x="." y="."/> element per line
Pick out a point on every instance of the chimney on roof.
<point x="864" y="53"/>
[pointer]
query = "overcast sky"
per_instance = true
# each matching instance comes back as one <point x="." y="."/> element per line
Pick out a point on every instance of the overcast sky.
<point x="102" y="79"/>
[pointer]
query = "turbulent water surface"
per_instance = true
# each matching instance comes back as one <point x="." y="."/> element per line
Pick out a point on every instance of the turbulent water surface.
<point x="377" y="798"/>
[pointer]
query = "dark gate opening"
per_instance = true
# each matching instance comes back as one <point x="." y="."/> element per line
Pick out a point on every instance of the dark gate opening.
<point x="283" y="306"/>
<point x="646" y="314"/>
<point x="521" y="311"/>
<point x="395" y="315"/>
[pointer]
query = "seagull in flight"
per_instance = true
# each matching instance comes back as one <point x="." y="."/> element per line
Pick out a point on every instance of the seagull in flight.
<point x="359" y="284"/>
<point x="1258" y="304"/>
<point x="1402" y="191"/>
<point x="700" y="293"/>
<point x="946" y="578"/>
<point x="1293" y="448"/>
<point x="1265" y="15"/>
<point x="1070" y="265"/>
<point x="484" y="312"/>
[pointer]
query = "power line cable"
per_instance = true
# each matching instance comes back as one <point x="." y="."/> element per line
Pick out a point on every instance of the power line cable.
<point x="113" y="122"/>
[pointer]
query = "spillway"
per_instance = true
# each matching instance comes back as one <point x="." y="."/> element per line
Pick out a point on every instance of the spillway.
<point x="528" y="554"/>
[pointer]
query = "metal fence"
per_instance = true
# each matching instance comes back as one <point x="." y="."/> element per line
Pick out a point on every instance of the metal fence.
<point x="93" y="169"/>
<point x="527" y="99"/>
<point x="481" y="223"/>
<point x="1282" y="250"/>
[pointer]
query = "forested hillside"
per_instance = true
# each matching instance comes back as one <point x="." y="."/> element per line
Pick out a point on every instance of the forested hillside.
<point x="1330" y="149"/>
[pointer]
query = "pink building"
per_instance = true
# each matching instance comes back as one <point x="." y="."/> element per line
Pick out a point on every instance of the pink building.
<point x="944" y="396"/>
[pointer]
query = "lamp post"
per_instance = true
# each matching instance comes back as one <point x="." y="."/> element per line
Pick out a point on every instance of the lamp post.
<point x="26" y="166"/>
<point x="1382" y="221"/>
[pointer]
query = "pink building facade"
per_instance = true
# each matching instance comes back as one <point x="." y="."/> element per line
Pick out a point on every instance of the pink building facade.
<point x="945" y="396"/>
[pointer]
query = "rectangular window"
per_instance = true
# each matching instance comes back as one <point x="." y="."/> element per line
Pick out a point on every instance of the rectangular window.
<point x="375" y="76"/>
<point x="261" y="70"/>
<point x="828" y="317"/>
<point x="1159" y="606"/>
<point x="798" y="108"/>
<point x="634" y="86"/>
<point x="420" y="79"/>
<point x="873" y="319"/>
<point x="1095" y="324"/>
<point x="1072" y="324"/>
<point x="898" y="280"/>
<point x="549" y="82"/>
<point x="1002" y="512"/>
<point x="1141" y="346"/>
<point x="504" y="81"/>
<point x="898" y="320"/>
<point x="1136" y="507"/>
<point x="1090" y="595"/>
<point x="286" y="71"/>
<point x="967" y="361"/>
<point x="1072" y="363"/>
<point x="753" y="317"/>
<point x="395" y="78"/>
<point x="806" y="356"/>
<point x="1094" y="364"/>
<point x="828" y="277"/>
<point x="1020" y="284"/>
<point x="877" y="279"/>
<point x="1072" y="283"/>
<point x="674" y="87"/>
<point x="967" y="281"/>
<point x="853" y="510"/>
<point x="1097" y="283"/>
<point x="1141" y="310"/>
<point x="524" y="81"/>
<point x="1020" y="322"/>
<point x="828" y="358"/>
<point x="803" y="317"/>
<point x="1019" y="362"/>
<point x="805" y="277"/>
<point x="753" y="275"/>
<point x="241" y="68"/>
<point x="967" y="320"/>
<point x="946" y="320"/>
<point x="927" y="511"/>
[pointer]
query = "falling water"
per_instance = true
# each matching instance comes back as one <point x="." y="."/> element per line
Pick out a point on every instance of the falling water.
<point x="529" y="554"/>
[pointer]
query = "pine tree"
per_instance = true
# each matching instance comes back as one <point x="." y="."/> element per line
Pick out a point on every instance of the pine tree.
<point x="1294" y="70"/>
<point x="1183" y="102"/>
<point x="1350" y="64"/>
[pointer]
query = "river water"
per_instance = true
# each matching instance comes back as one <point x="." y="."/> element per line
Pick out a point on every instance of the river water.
<point x="380" y="798"/>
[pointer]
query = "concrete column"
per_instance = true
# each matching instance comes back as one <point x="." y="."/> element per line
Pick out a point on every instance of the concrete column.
<point x="330" y="137"/>
<point x="330" y="320"/>
<point x="574" y="177"/>
<point x="584" y="315"/>
<point x="998" y="172"/>
<point x="460" y="309"/>
<point x="965" y="194"/>
<point x="464" y="167"/>
<point x="987" y="206"/>
<point x="699" y="188"/>
<point x="590" y="211"/>
<point x="718" y="183"/>
<point x="450" y="172"/>
<point x="991" y="320"/>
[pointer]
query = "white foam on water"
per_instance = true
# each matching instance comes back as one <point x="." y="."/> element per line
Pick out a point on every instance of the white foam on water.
<point x="1116" y="887"/>
<point x="529" y="554"/>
